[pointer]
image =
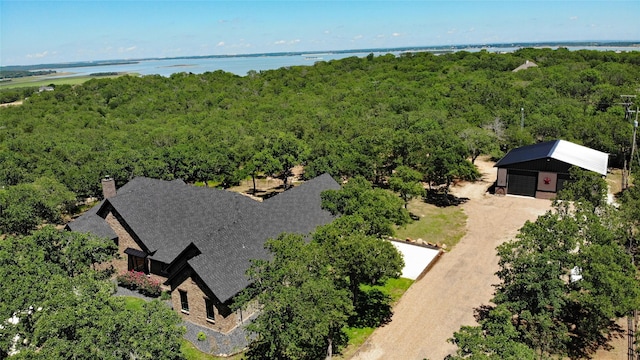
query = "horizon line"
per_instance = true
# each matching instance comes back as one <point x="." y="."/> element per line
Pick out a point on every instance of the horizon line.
<point x="458" y="47"/>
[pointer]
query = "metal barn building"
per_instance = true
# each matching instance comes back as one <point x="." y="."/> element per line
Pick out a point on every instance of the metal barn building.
<point x="541" y="170"/>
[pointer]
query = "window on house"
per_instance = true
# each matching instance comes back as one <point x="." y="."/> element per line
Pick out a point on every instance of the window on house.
<point x="209" y="306"/>
<point x="137" y="260"/>
<point x="137" y="264"/>
<point x="184" y="302"/>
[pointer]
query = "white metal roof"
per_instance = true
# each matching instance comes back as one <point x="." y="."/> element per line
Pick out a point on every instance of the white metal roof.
<point x="581" y="156"/>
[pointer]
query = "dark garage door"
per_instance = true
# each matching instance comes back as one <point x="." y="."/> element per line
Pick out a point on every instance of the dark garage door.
<point x="522" y="182"/>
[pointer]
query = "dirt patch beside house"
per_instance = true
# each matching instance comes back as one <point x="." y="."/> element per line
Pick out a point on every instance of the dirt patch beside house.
<point x="268" y="186"/>
<point x="437" y="305"/>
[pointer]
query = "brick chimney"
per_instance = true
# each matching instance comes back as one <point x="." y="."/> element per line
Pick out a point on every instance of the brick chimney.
<point x="108" y="187"/>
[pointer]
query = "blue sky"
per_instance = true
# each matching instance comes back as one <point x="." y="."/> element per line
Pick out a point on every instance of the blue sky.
<point x="36" y="32"/>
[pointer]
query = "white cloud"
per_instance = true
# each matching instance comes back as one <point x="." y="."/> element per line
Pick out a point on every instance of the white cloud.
<point x="221" y="43"/>
<point x="327" y="32"/>
<point x="129" y="49"/>
<point x="395" y="34"/>
<point x="452" y="31"/>
<point x="38" y="55"/>
<point x="284" y="42"/>
<point x="573" y="18"/>
<point x="358" y="37"/>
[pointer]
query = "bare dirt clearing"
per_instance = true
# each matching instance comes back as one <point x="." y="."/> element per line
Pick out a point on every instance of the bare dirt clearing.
<point x="437" y="305"/>
<point x="19" y="102"/>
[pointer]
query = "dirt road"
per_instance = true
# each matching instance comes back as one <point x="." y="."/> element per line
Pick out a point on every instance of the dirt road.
<point x="444" y="299"/>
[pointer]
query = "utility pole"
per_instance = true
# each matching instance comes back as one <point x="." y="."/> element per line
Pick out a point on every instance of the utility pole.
<point x="632" y="318"/>
<point x="633" y="139"/>
<point x="627" y="103"/>
<point x="521" y="118"/>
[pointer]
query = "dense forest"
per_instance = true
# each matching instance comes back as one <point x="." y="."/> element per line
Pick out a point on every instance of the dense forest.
<point x="384" y="120"/>
<point x="355" y="116"/>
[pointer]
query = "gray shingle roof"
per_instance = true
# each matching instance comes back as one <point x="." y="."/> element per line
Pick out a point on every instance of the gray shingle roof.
<point x="167" y="216"/>
<point x="228" y="228"/>
<point x="226" y="254"/>
<point x="90" y="222"/>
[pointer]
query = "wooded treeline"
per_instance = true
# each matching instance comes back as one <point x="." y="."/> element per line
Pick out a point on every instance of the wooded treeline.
<point x="12" y="74"/>
<point x="355" y="116"/>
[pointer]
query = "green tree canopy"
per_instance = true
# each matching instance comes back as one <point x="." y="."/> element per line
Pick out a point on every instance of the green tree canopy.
<point x="25" y="206"/>
<point x="378" y="209"/>
<point x="479" y="141"/>
<point x="585" y="186"/>
<point x="303" y="312"/>
<point x="407" y="182"/>
<point x="62" y="309"/>
<point x="358" y="259"/>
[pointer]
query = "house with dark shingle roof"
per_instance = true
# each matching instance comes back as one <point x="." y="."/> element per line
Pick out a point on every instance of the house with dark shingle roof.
<point x="198" y="242"/>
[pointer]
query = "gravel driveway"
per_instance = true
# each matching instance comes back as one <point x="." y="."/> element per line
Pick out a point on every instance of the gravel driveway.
<point x="445" y="298"/>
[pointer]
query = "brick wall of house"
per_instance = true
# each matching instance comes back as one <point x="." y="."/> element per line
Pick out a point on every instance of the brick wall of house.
<point x="124" y="241"/>
<point x="197" y="311"/>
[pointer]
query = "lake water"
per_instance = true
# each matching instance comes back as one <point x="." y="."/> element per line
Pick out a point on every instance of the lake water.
<point x="240" y="65"/>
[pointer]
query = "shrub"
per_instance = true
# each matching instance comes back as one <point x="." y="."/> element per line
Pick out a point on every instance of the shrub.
<point x="202" y="336"/>
<point x="138" y="280"/>
<point x="151" y="288"/>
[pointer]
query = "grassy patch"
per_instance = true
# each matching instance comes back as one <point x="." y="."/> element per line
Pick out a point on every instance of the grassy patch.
<point x="357" y="336"/>
<point x="396" y="288"/>
<point x="441" y="225"/>
<point x="190" y="352"/>
<point x="45" y="80"/>
<point x="133" y="303"/>
<point x="614" y="180"/>
<point x="210" y="183"/>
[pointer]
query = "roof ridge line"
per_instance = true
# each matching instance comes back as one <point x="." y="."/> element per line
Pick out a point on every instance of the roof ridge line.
<point x="553" y="148"/>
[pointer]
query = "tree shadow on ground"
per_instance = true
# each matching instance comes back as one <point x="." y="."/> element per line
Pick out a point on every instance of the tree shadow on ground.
<point x="265" y="194"/>
<point x="372" y="309"/>
<point x="482" y="312"/>
<point x="441" y="198"/>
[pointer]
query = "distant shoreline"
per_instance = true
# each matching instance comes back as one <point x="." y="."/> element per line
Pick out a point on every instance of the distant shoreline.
<point x="179" y="65"/>
<point x="632" y="45"/>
